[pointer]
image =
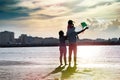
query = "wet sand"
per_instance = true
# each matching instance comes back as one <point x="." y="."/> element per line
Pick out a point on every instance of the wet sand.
<point x="32" y="71"/>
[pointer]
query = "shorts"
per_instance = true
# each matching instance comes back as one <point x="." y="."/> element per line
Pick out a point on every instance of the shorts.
<point x="62" y="49"/>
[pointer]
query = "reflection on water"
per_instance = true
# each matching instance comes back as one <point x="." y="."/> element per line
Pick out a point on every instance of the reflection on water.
<point x="89" y="51"/>
<point x="93" y="64"/>
<point x="50" y="55"/>
<point x="99" y="54"/>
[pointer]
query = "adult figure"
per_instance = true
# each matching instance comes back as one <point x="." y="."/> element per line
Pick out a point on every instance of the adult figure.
<point x="72" y="38"/>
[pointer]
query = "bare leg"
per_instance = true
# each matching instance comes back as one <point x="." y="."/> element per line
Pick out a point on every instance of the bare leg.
<point x="75" y="54"/>
<point x="60" y="58"/>
<point x="70" y="53"/>
<point x="65" y="58"/>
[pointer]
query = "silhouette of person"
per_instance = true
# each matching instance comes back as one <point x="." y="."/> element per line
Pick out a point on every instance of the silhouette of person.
<point x="62" y="47"/>
<point x="72" y="38"/>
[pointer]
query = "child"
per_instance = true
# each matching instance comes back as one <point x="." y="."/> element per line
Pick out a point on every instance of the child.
<point x="62" y="47"/>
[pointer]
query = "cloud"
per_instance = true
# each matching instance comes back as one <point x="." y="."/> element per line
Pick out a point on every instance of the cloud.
<point x="115" y="22"/>
<point x="98" y="24"/>
<point x="113" y="29"/>
<point x="9" y="15"/>
<point x="114" y="26"/>
<point x="11" y="9"/>
<point x="7" y="11"/>
<point x="5" y="3"/>
<point x="94" y="3"/>
<point x="55" y="8"/>
<point x="106" y="25"/>
<point x="85" y="5"/>
<point x="44" y="16"/>
<point x="50" y="16"/>
<point x="31" y="9"/>
<point x="103" y="28"/>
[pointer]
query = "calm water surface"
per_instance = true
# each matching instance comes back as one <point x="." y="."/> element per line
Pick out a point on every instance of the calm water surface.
<point x="50" y="55"/>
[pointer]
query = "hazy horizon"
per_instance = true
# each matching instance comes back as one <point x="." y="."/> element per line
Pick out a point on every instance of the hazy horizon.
<point x="44" y="18"/>
<point x="58" y="37"/>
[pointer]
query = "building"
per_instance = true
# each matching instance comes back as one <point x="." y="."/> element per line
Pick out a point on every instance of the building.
<point x="24" y="39"/>
<point x="114" y="39"/>
<point x="50" y="41"/>
<point x="7" y="38"/>
<point x="38" y="40"/>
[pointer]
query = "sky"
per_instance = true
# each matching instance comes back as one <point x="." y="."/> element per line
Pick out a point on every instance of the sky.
<point x="45" y="18"/>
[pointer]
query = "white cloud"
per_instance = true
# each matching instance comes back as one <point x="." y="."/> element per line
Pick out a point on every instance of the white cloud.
<point x="27" y="4"/>
<point x="89" y="3"/>
<point x="53" y="11"/>
<point x="106" y="11"/>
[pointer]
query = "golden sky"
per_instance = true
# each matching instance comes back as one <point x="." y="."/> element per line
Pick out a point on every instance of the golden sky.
<point x="44" y="18"/>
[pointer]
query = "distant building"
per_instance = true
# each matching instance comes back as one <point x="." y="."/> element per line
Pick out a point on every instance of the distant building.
<point x="100" y="40"/>
<point x="7" y="38"/>
<point x="37" y="40"/>
<point x="114" y="39"/>
<point x="24" y="39"/>
<point x="50" y="41"/>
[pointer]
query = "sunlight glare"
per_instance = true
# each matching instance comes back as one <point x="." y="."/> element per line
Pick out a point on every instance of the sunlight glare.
<point x="88" y="51"/>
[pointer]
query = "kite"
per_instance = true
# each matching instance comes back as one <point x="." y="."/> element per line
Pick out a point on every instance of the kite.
<point x="84" y="25"/>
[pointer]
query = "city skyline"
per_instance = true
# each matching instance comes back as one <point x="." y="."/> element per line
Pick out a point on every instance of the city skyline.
<point x="45" y="18"/>
<point x="23" y="34"/>
<point x="7" y="39"/>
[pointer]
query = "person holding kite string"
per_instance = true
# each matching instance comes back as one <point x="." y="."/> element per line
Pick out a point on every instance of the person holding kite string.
<point x="72" y="38"/>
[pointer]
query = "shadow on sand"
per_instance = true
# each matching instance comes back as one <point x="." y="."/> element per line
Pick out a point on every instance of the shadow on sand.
<point x="68" y="72"/>
<point x="56" y="70"/>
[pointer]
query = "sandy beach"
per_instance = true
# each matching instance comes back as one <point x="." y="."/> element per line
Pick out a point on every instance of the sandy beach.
<point x="30" y="71"/>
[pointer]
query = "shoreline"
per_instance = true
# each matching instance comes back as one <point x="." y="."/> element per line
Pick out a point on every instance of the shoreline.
<point x="9" y="46"/>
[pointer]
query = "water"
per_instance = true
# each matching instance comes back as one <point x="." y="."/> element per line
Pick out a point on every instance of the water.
<point x="33" y="63"/>
<point x="50" y="55"/>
